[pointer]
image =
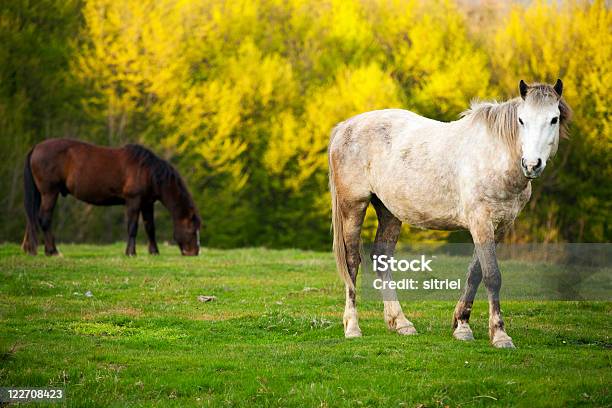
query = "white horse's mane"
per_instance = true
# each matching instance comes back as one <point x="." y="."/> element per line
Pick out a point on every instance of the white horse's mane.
<point x="501" y="117"/>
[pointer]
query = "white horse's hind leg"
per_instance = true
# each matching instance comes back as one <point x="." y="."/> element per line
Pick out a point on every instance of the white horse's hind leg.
<point x="352" y="220"/>
<point x="350" y="319"/>
<point x="387" y="234"/>
<point x="395" y="319"/>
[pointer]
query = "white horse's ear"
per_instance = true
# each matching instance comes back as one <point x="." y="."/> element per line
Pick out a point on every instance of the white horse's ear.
<point x="558" y="87"/>
<point x="523" y="87"/>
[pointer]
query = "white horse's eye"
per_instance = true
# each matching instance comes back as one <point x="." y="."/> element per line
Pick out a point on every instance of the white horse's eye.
<point x="521" y="121"/>
<point x="554" y="120"/>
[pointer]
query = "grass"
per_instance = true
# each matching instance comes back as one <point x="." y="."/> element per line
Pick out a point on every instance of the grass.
<point x="273" y="337"/>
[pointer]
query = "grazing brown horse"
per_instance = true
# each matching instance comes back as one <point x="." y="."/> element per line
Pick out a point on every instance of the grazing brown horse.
<point x="131" y="175"/>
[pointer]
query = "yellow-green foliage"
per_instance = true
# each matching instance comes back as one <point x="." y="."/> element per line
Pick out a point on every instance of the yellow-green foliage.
<point x="242" y="95"/>
<point x="572" y="41"/>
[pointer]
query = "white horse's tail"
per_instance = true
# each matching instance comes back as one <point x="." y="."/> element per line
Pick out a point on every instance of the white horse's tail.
<point x="338" y="230"/>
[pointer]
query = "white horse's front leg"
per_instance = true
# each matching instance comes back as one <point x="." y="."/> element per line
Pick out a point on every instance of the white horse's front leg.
<point x="463" y="310"/>
<point x="485" y="249"/>
<point x="350" y="319"/>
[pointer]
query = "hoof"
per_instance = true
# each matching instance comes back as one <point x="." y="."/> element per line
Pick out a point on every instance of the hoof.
<point x="29" y="250"/>
<point x="351" y="325"/>
<point x="53" y="252"/>
<point x="407" y="330"/>
<point x="502" y="340"/>
<point x="463" y="332"/>
<point x="351" y="334"/>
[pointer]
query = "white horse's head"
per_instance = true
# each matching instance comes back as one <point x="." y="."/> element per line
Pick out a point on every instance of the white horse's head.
<point x="540" y="117"/>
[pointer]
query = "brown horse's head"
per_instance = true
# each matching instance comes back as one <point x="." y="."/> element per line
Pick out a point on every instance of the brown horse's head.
<point x="187" y="233"/>
<point x="170" y="189"/>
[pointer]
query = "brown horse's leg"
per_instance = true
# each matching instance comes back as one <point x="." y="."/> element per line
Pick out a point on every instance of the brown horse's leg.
<point x="387" y="234"/>
<point x="30" y="240"/>
<point x="484" y="241"/>
<point x="45" y="215"/>
<point x="149" y="224"/>
<point x="352" y="219"/>
<point x="132" y="211"/>
<point x="461" y="317"/>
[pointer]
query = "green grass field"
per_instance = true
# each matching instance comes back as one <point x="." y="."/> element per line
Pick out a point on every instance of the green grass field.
<point x="274" y="337"/>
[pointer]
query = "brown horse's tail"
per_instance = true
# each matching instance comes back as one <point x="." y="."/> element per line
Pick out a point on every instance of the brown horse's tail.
<point x="339" y="247"/>
<point x="31" y="202"/>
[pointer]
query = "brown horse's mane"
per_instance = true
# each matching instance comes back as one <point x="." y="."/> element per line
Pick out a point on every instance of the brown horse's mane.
<point x="501" y="118"/>
<point x="161" y="171"/>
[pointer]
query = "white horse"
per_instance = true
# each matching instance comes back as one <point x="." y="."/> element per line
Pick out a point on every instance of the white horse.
<point x="473" y="173"/>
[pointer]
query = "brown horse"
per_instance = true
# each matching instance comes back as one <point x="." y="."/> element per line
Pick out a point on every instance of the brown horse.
<point x="131" y="175"/>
